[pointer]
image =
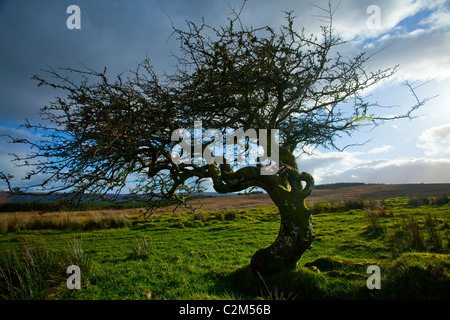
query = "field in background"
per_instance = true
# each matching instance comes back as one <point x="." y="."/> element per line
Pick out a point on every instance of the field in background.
<point x="101" y="218"/>
<point x="365" y="192"/>
<point x="205" y="254"/>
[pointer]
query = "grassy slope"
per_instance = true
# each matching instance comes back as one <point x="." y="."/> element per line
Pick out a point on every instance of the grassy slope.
<point x="206" y="257"/>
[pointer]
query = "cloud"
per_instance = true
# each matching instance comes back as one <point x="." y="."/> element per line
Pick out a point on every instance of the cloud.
<point x="413" y="34"/>
<point x="334" y="167"/>
<point x="114" y="34"/>
<point x="436" y="140"/>
<point x="438" y="19"/>
<point x="352" y="18"/>
<point x="320" y="165"/>
<point x="419" y="44"/>
<point x="382" y="149"/>
<point x="402" y="170"/>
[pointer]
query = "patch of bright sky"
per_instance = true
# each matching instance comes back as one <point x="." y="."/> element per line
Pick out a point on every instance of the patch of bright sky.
<point x="414" y="22"/>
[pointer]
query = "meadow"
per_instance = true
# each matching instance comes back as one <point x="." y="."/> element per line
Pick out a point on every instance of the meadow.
<point x="205" y="254"/>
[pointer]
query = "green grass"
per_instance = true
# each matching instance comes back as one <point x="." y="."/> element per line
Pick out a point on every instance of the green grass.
<point x="206" y="256"/>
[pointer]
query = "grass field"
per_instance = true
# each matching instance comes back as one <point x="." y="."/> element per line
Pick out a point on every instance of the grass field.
<point x="205" y="255"/>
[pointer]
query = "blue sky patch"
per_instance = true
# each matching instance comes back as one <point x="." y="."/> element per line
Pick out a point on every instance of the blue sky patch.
<point x="415" y="22"/>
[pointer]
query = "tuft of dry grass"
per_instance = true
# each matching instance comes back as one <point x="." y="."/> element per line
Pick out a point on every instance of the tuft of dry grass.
<point x="36" y="273"/>
<point x="66" y="220"/>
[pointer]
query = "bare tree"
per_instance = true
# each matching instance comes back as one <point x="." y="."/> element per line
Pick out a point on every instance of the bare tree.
<point x="106" y="131"/>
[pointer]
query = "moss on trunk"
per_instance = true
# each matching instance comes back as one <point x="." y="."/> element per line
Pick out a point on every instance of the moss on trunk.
<point x="294" y="238"/>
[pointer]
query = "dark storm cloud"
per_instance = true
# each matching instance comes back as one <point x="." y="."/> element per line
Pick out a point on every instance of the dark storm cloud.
<point x="115" y="34"/>
<point x="118" y="34"/>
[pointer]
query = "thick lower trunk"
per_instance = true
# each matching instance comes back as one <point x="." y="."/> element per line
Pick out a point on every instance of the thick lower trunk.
<point x="294" y="238"/>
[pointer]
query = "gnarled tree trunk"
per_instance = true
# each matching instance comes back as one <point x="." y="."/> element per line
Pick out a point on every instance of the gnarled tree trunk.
<point x="295" y="234"/>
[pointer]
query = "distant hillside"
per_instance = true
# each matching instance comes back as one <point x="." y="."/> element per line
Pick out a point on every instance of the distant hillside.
<point x="333" y="193"/>
<point x="32" y="197"/>
<point x="339" y="185"/>
<point x="352" y="189"/>
<point x="211" y="201"/>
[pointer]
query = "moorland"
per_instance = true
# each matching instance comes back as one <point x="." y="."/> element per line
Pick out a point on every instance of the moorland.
<point x="203" y="251"/>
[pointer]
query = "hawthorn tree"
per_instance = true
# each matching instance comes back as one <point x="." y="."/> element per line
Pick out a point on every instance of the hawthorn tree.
<point x="104" y="132"/>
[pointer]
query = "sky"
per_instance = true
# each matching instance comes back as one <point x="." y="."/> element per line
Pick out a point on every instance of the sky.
<point x="413" y="34"/>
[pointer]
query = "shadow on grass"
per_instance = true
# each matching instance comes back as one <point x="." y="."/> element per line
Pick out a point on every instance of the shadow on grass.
<point x="300" y="284"/>
<point x="413" y="276"/>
